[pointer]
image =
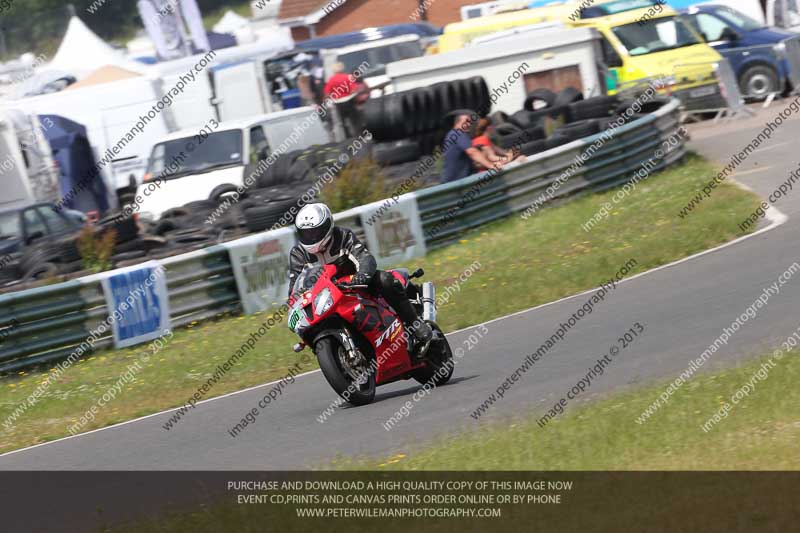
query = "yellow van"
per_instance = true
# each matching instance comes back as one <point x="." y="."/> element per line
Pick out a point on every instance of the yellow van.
<point x="642" y="40"/>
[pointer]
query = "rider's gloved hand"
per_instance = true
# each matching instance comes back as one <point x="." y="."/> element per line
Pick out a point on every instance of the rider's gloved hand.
<point x="360" y="279"/>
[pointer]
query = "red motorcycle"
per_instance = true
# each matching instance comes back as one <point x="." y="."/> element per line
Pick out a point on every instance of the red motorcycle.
<point x="358" y="339"/>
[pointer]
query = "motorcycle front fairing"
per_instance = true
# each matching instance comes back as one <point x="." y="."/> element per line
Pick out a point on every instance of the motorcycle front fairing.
<point x="316" y="299"/>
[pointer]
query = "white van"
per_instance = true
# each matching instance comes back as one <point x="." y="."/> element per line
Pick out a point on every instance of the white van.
<point x="188" y="165"/>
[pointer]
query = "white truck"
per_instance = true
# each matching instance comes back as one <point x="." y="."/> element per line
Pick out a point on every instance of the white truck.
<point x="188" y="165"/>
<point x="513" y="65"/>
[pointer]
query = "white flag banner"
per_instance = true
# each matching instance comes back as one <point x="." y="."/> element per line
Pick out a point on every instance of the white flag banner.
<point x="159" y="20"/>
<point x="194" y="20"/>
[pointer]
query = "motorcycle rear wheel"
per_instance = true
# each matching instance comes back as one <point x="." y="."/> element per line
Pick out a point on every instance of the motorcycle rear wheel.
<point x="440" y="362"/>
<point x="330" y="353"/>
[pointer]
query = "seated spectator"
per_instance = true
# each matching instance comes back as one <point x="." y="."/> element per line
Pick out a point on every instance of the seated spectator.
<point x="493" y="153"/>
<point x="460" y="156"/>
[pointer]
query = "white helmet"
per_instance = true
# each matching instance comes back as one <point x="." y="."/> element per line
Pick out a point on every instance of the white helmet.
<point x="314" y="225"/>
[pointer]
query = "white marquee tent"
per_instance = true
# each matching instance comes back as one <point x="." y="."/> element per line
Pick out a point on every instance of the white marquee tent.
<point x="82" y="52"/>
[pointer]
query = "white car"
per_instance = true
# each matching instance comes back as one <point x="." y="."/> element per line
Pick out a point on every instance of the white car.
<point x="191" y="164"/>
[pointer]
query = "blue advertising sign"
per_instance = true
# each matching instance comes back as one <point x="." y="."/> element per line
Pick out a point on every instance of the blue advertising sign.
<point x="138" y="303"/>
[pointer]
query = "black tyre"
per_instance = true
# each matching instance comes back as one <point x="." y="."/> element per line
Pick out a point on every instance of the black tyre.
<point x="220" y="190"/>
<point x="374" y="116"/>
<point x="507" y="129"/>
<point x="68" y="249"/>
<point x="759" y="81"/>
<point x="539" y="99"/>
<point x="37" y="255"/>
<point x="41" y="271"/>
<point x="436" y="107"/>
<point x="283" y="170"/>
<point x="598" y="107"/>
<point x="535" y="133"/>
<point x="580" y="129"/>
<point x="481" y="97"/>
<point x="533" y="147"/>
<point x="506" y="142"/>
<point x="498" y="117"/>
<point x="175" y="213"/>
<point x="10" y="272"/>
<point x="441" y="364"/>
<point x="264" y="217"/>
<point x="128" y="256"/>
<point x="560" y="113"/>
<point x="166" y="225"/>
<point x="645" y="108"/>
<point x="557" y="140"/>
<point x="447" y="96"/>
<point x="200" y="206"/>
<point x="522" y="119"/>
<point x="301" y="171"/>
<point x="396" y="153"/>
<point x="330" y="354"/>
<point x="126" y="228"/>
<point x="568" y="96"/>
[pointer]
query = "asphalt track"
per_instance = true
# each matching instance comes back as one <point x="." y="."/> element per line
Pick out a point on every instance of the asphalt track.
<point x="684" y="307"/>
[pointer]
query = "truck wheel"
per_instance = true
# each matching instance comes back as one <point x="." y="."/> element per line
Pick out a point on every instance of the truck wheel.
<point x="758" y="82"/>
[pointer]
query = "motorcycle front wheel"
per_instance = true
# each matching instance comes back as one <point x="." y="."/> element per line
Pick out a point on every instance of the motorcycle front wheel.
<point x="332" y="359"/>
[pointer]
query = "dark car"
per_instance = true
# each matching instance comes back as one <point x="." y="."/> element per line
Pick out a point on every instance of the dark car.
<point x="765" y="60"/>
<point x="36" y="239"/>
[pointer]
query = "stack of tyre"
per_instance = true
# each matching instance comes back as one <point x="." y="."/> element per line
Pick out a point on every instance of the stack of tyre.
<point x="41" y="260"/>
<point x="550" y="119"/>
<point x="410" y="124"/>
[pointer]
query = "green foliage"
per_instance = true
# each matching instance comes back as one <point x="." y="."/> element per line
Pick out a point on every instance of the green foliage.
<point x="360" y="182"/>
<point x="96" y="249"/>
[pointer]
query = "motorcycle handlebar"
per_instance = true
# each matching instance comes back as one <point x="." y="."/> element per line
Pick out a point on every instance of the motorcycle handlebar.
<point x="348" y="287"/>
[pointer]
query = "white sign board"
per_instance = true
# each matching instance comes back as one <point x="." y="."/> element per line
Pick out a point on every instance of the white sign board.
<point x="261" y="267"/>
<point x="394" y="234"/>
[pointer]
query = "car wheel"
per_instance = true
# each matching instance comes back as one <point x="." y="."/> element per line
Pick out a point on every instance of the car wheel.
<point x="759" y="82"/>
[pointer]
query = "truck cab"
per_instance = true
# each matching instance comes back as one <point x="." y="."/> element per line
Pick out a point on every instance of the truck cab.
<point x="765" y="60"/>
<point x="187" y="166"/>
<point x="644" y="41"/>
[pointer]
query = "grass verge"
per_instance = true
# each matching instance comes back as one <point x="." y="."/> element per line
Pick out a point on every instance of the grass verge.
<point x="759" y="432"/>
<point x="523" y="263"/>
<point x="762" y="431"/>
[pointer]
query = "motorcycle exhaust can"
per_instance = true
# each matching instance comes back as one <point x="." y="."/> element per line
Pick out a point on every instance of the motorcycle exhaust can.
<point x="428" y="301"/>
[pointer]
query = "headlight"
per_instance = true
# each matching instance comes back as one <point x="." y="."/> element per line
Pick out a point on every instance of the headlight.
<point x="780" y="48"/>
<point x="323" y="302"/>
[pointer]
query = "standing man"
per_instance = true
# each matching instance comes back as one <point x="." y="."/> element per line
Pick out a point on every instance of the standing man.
<point x="340" y="84"/>
<point x="460" y="157"/>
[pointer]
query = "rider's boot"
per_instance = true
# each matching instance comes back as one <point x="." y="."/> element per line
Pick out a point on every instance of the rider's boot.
<point x="418" y="329"/>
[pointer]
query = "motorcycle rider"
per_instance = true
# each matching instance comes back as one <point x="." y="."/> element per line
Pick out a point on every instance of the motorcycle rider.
<point x="323" y="242"/>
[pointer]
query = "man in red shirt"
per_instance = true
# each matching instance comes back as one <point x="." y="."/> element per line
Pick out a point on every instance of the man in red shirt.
<point x="340" y="84"/>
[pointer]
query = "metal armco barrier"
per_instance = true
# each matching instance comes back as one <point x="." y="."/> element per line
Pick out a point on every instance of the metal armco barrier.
<point x="47" y="323"/>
